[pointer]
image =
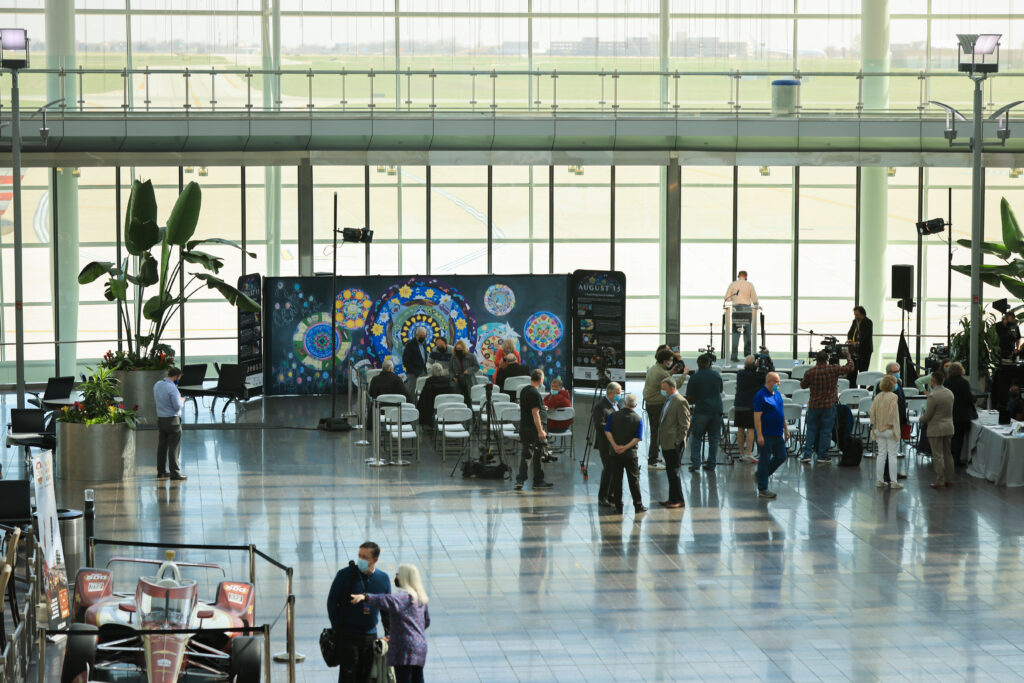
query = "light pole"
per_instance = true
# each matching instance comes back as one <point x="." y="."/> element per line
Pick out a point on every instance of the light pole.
<point x="14" y="56"/>
<point x="978" y="57"/>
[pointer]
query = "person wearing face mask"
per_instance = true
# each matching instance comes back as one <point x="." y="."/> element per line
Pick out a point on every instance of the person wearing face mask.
<point x="624" y="430"/>
<point x="655" y="402"/>
<point x="893" y="370"/>
<point x="771" y="432"/>
<point x="463" y="369"/>
<point x="558" y="397"/>
<point x="407" y="646"/>
<point x="355" y="625"/>
<point x="441" y="353"/>
<point x="168" y="422"/>
<point x="938" y="416"/>
<point x="414" y="359"/>
<point x="603" y="408"/>
<point x="704" y="393"/>
<point x="675" y="422"/>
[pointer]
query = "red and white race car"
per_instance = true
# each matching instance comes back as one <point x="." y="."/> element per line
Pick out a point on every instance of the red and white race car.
<point x="119" y="646"/>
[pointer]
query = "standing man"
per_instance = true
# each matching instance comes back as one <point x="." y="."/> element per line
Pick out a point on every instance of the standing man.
<point x="168" y="422"/>
<point x="654" y="401"/>
<point x="355" y="626"/>
<point x="823" y="381"/>
<point x="938" y="417"/>
<point x="742" y="295"/>
<point x="772" y="433"/>
<point x="531" y="432"/>
<point x="860" y="337"/>
<point x="675" y="422"/>
<point x="1009" y="347"/>
<point x="704" y="393"/>
<point x="414" y="359"/>
<point x="964" y="409"/>
<point x="441" y="354"/>
<point x="624" y="430"/>
<point x="603" y="408"/>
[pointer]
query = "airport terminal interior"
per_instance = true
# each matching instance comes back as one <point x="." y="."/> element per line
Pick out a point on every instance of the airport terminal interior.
<point x="279" y="198"/>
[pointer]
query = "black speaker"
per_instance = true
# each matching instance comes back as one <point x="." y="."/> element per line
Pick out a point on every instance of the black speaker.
<point x="902" y="281"/>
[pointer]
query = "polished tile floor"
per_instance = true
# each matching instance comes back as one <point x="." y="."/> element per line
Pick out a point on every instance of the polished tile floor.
<point x="833" y="580"/>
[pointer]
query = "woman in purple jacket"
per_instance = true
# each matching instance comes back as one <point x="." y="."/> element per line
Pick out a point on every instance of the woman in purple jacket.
<point x="407" y="645"/>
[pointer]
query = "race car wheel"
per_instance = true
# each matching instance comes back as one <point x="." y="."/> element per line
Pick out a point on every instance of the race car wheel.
<point x="246" y="659"/>
<point x="79" y="653"/>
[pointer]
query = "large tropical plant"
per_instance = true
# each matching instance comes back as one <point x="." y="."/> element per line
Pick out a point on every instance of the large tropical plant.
<point x="988" y="343"/>
<point x="1010" y="273"/>
<point x="98" y="405"/>
<point x="142" y="270"/>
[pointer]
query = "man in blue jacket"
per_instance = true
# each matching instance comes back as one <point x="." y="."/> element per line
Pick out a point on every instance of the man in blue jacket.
<point x="355" y="626"/>
<point x="414" y="359"/>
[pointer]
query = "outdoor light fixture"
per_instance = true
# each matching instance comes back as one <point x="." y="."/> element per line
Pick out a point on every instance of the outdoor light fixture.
<point x="1015" y="172"/>
<point x="364" y="235"/>
<point x="931" y="227"/>
<point x="13" y="48"/>
<point x="891" y="171"/>
<point x="76" y="172"/>
<point x="392" y="170"/>
<point x="974" y="48"/>
<point x="203" y="171"/>
<point x="189" y="169"/>
<point x="765" y="171"/>
<point x="381" y="168"/>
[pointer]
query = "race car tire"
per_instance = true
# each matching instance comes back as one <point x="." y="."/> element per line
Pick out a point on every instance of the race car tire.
<point x="79" y="653"/>
<point x="246" y="659"/>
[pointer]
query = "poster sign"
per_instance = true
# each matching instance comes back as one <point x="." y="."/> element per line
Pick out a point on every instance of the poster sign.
<point x="371" y="318"/>
<point x="599" y="325"/>
<point x="55" y="577"/>
<point x="250" y="333"/>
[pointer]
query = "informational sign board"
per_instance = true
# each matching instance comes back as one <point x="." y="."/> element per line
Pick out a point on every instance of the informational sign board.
<point x="250" y="332"/>
<point x="598" y="325"/>
<point x="373" y="317"/>
<point x="55" y="578"/>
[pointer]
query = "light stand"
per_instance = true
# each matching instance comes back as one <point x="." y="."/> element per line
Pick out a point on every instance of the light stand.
<point x="14" y="56"/>
<point x="934" y="227"/>
<point x="333" y="423"/>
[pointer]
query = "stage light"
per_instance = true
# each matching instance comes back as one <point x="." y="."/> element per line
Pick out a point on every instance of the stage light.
<point x="891" y="171"/>
<point x="1015" y="172"/>
<point x="931" y="227"/>
<point x="765" y="171"/>
<point x="1003" y="306"/>
<point x="13" y="48"/>
<point x="974" y="45"/>
<point x="907" y="305"/>
<point x="364" y="235"/>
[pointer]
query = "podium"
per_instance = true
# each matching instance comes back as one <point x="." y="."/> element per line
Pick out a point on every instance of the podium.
<point x="743" y="320"/>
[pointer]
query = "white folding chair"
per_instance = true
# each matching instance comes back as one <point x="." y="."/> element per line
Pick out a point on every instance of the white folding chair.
<point x="373" y="372"/>
<point x="802" y="397"/>
<point x="868" y="380"/>
<point x="563" y="415"/>
<point x="481" y="379"/>
<point x="420" y="383"/>
<point x="852" y="397"/>
<point x="789" y="386"/>
<point x="798" y="371"/>
<point x="400" y="426"/>
<point x="793" y="412"/>
<point x="453" y="424"/>
<point x="910" y="391"/>
<point x="783" y="374"/>
<point x="729" y="388"/>
<point x="862" y="414"/>
<point x="513" y="384"/>
<point x="507" y="426"/>
<point x="843" y="383"/>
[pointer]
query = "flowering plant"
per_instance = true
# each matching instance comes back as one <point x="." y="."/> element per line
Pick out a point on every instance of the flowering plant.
<point x="130" y="360"/>
<point x="99" y="404"/>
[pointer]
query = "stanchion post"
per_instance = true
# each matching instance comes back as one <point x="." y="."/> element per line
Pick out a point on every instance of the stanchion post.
<point x="362" y="408"/>
<point x="252" y="564"/>
<point x="266" y="652"/>
<point x="290" y="655"/>
<point x="42" y="655"/>
<point x="90" y="525"/>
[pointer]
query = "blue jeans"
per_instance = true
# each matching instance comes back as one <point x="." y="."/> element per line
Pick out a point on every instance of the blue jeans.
<point x="741" y="308"/>
<point x="770" y="457"/>
<point x="701" y="424"/>
<point x="819" y="424"/>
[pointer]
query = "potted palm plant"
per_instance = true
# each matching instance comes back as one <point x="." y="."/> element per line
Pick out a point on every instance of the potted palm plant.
<point x="96" y="435"/>
<point x="157" y="258"/>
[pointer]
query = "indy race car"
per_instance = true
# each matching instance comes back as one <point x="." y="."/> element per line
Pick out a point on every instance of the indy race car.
<point x="110" y="639"/>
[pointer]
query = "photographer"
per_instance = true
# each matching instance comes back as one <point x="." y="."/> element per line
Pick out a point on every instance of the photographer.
<point x="823" y="381"/>
<point x="1009" y="347"/>
<point x="678" y="367"/>
<point x="748" y="382"/>
<point x="859" y="338"/>
<point x="704" y="393"/>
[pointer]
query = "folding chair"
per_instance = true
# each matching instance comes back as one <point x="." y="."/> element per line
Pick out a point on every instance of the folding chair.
<point x="400" y="426"/>
<point x="420" y="383"/>
<point x="563" y="415"/>
<point x="843" y="384"/>
<point x="798" y="371"/>
<point x="802" y="397"/>
<point x="453" y="423"/>
<point x="869" y="379"/>
<point x="789" y="386"/>
<point x="792" y="413"/>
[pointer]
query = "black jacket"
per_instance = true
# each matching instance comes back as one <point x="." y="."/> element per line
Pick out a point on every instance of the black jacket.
<point x="624" y="427"/>
<point x="512" y="370"/>
<point x="602" y="409"/>
<point x="433" y="387"/>
<point x="387" y="383"/>
<point x="963" y="400"/>
<point x="863" y="336"/>
<point x="412" y="359"/>
<point x="748" y="383"/>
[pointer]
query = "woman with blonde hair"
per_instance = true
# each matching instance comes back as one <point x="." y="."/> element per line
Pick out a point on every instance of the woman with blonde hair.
<point x="463" y="368"/>
<point x="505" y="355"/>
<point x="885" y="427"/>
<point x="407" y="646"/>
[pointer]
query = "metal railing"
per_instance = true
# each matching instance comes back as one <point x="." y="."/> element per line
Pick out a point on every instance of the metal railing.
<point x="490" y="92"/>
<point x="16" y="654"/>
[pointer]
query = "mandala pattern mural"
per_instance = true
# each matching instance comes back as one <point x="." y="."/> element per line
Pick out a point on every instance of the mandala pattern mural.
<point x="351" y="307"/>
<point x="489" y="337"/>
<point x="543" y="331"/>
<point x="403" y="309"/>
<point x="312" y="341"/>
<point x="499" y="300"/>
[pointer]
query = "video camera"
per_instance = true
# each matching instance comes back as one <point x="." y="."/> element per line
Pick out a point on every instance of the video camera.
<point x="709" y="350"/>
<point x="835" y="350"/>
<point x="763" y="361"/>
<point x="602" y="359"/>
<point x="937" y="355"/>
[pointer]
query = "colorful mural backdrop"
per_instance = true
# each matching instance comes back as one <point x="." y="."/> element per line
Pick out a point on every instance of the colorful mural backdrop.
<point x="374" y="316"/>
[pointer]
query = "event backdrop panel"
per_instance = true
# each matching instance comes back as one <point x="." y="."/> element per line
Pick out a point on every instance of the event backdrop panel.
<point x="375" y="315"/>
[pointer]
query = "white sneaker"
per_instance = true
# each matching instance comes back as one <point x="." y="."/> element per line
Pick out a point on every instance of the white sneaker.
<point x="895" y="485"/>
<point x="880" y="484"/>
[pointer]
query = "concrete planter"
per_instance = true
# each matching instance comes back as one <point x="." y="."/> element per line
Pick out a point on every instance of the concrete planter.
<point x="103" y="452"/>
<point x="137" y="390"/>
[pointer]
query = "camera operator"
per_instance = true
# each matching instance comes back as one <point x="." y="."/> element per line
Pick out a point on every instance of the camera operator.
<point x="859" y="338"/>
<point x="748" y="382"/>
<point x="823" y="381"/>
<point x="1009" y="347"/>
<point x="678" y="367"/>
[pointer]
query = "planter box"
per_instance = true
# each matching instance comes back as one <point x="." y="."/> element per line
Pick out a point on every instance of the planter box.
<point x="104" y="452"/>
<point x="137" y="389"/>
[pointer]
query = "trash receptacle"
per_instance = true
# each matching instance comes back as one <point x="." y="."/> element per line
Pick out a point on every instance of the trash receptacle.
<point x="785" y="95"/>
<point x="72" y="539"/>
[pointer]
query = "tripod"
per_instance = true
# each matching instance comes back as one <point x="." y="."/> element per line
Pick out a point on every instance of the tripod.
<point x="487" y="449"/>
<point x="592" y="433"/>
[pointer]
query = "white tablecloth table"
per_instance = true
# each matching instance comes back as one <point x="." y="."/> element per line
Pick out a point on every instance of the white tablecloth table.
<point x="995" y="455"/>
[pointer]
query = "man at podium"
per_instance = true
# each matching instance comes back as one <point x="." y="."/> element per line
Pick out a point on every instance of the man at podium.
<point x="742" y="295"/>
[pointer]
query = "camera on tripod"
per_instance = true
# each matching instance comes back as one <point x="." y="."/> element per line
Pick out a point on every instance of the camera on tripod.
<point x="763" y="361"/>
<point x="708" y="351"/>
<point x="835" y="349"/>
<point x="602" y="359"/>
<point x="937" y="355"/>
